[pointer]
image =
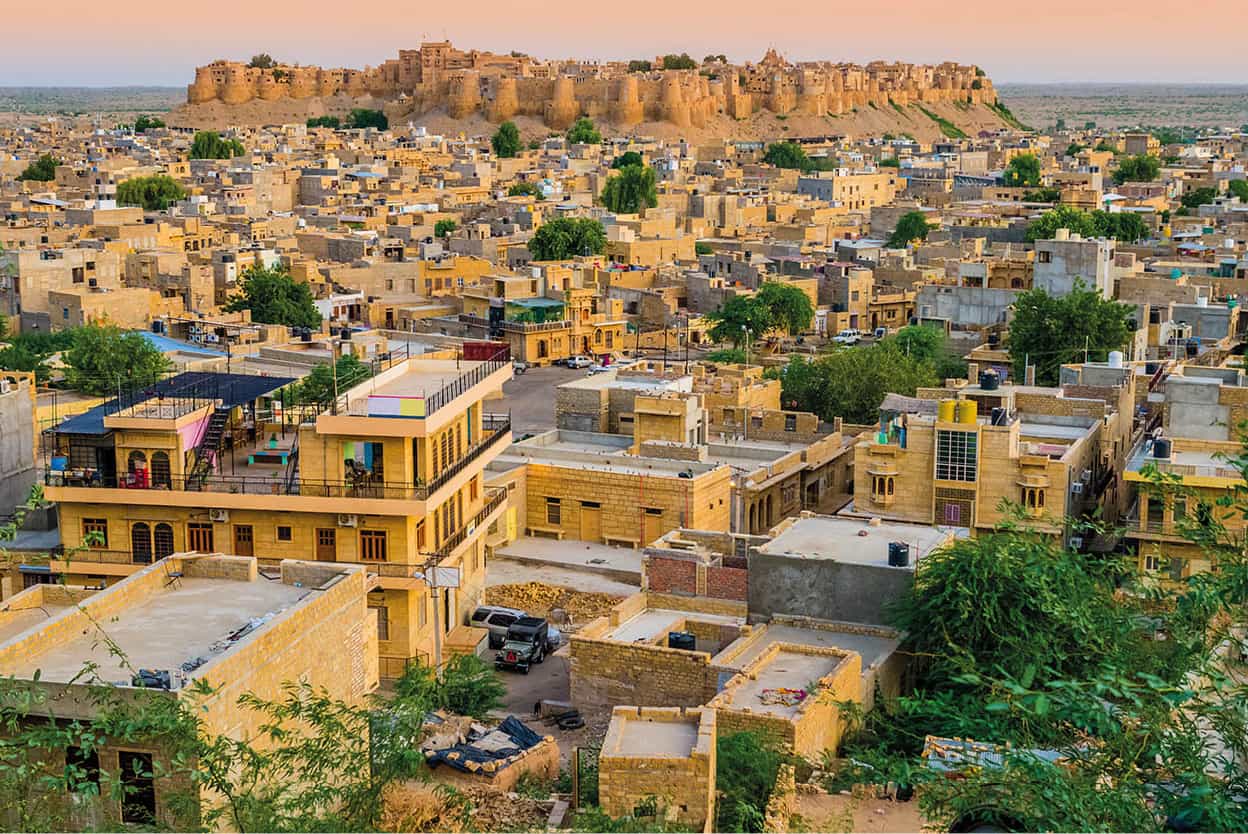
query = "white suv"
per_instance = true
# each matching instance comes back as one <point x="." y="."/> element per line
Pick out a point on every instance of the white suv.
<point x="579" y="362"/>
<point x="848" y="337"/>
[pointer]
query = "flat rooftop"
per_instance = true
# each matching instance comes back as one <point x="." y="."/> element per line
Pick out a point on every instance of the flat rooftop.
<point x="597" y="452"/>
<point x="853" y="541"/>
<point x="873" y="649"/>
<point x="175" y="625"/>
<point x="786" y="670"/>
<point x="421" y="378"/>
<point x="652" y="623"/>
<point x="622" y="563"/>
<point x="647" y="737"/>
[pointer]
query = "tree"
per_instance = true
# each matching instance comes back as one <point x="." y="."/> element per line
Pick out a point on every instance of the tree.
<point x="1238" y="188"/>
<point x="19" y="357"/>
<point x="583" y="132"/>
<point x="889" y="162"/>
<point x="1125" y="226"/>
<point x="332" y="122"/>
<point x="1140" y="168"/>
<point x="524" y="189"/>
<point x="274" y="297"/>
<point x="852" y="382"/>
<point x="1199" y="197"/>
<point x="145" y="123"/>
<point x="1023" y="171"/>
<point x="738" y="316"/>
<point x="787" y="155"/>
<point x="628" y="191"/>
<point x="208" y="144"/>
<point x="567" y="237"/>
<point x="626" y="159"/>
<point x="1063" y="217"/>
<point x="911" y="226"/>
<point x="928" y="344"/>
<point x="1051" y="330"/>
<point x="361" y="117"/>
<point x="727" y="356"/>
<point x="104" y="358"/>
<point x="703" y="248"/>
<point x="789" y="307"/>
<point x="746" y="766"/>
<point x="1074" y="149"/>
<point x="154" y="193"/>
<point x="261" y="61"/>
<point x="639" y="66"/>
<point x="1043" y="195"/>
<point x="324" y="382"/>
<point x="679" y="62"/>
<point x="506" y="140"/>
<point x="42" y="169"/>
<point x="444" y="227"/>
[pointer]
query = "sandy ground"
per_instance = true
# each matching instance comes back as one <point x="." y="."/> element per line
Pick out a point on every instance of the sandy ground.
<point x="840" y="812"/>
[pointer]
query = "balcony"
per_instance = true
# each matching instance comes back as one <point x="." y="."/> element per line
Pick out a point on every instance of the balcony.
<point x="497" y="498"/>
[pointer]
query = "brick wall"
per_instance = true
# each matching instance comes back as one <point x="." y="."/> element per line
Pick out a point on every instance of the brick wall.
<point x="605" y="673"/>
<point x="728" y="583"/>
<point x="670" y="575"/>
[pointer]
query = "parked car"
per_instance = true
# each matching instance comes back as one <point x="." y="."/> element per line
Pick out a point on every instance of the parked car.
<point x="519" y="367"/>
<point x="527" y="644"/>
<point x="848" y="337"/>
<point x="881" y="332"/>
<point x="598" y="368"/>
<point x="497" y="619"/>
<point x="579" y="362"/>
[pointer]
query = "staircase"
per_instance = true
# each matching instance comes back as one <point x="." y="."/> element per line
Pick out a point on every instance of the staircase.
<point x="208" y="447"/>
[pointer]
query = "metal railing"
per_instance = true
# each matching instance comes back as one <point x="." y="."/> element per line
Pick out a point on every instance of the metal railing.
<point x="498" y="425"/>
<point x="516" y="326"/>
<point x="496" y="499"/>
<point x="99" y="555"/>
<point x="464" y="382"/>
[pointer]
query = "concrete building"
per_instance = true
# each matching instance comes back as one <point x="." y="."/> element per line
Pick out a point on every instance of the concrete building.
<point x="18" y="418"/>
<point x="1068" y="258"/>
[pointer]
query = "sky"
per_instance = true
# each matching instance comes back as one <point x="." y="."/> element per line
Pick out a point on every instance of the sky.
<point x="145" y="42"/>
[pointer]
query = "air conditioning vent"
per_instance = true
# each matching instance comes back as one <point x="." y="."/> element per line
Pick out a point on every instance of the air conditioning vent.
<point x="219" y="516"/>
<point x="348" y="521"/>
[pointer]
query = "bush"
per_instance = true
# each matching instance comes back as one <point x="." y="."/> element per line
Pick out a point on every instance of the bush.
<point x="524" y="189"/>
<point x="746" y="765"/>
<point x="361" y="118"/>
<point x="42" y="169"/>
<point x="208" y="144"/>
<point x="583" y="132"/>
<point x="443" y="228"/>
<point x="145" y="123"/>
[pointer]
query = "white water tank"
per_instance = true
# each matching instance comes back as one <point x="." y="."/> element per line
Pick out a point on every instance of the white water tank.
<point x="1115" y="359"/>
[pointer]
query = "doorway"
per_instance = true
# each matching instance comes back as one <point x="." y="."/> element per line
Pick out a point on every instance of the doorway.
<point x="326" y="544"/>
<point x="591" y="521"/>
<point x="244" y="540"/>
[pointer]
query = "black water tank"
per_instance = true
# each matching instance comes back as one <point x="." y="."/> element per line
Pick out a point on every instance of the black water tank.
<point x="898" y="554"/>
<point x="994" y="339"/>
<point x="1161" y="448"/>
<point x="989" y="381"/>
<point x="683" y="640"/>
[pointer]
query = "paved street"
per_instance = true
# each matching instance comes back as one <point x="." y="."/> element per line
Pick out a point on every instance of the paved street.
<point x="531" y="398"/>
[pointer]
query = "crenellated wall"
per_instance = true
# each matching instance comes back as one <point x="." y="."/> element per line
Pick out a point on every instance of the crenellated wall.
<point x="462" y="83"/>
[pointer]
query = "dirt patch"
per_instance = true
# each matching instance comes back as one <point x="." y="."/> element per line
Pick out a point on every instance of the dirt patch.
<point x="540" y="599"/>
<point x="857" y="812"/>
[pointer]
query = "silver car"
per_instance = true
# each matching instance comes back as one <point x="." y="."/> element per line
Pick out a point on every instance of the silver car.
<point x="497" y="619"/>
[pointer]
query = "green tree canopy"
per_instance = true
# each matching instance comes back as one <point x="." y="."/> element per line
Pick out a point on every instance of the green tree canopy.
<point x="154" y="193"/>
<point x="567" y="237"/>
<point x="1043" y="195"/>
<point x="929" y="344"/>
<point x="583" y="132"/>
<point x="1140" y="168"/>
<point x="703" y="248"/>
<point x="506" y="140"/>
<point x="1238" y="188"/>
<point x="323" y="383"/>
<point x="274" y="297"/>
<point x="911" y="226"/>
<point x="889" y="162"/>
<point x="208" y="144"/>
<point x="42" y="169"/>
<point x="630" y="190"/>
<point x="104" y="358"/>
<point x="639" y="66"/>
<point x="789" y="307"/>
<point x="19" y="357"/>
<point x="1074" y="149"/>
<point x="524" y="189"/>
<point x="362" y="117"/>
<point x="626" y="159"/>
<point x="852" y="382"/>
<point x="679" y="62"/>
<point x="145" y="123"/>
<point x="1051" y="330"/>
<point x="332" y="122"/>
<point x="261" y="61"/>
<point x="1199" y="197"/>
<point x="444" y="227"/>
<point x="1023" y="171"/>
<point x="1127" y="227"/>
<point x="739" y="315"/>
<point x="787" y="155"/>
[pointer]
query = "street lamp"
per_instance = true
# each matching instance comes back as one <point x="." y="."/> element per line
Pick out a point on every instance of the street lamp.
<point x="746" y="331"/>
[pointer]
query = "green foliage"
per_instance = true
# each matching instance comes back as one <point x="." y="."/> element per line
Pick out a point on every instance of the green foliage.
<point x="1104" y="147"/>
<point x="890" y="162"/>
<point x="1140" y="168"/>
<point x="332" y="122"/>
<point x="444" y="227"/>
<point x="361" y="117"/>
<point x="947" y="128"/>
<point x="1199" y="197"/>
<point x="930" y="345"/>
<point x="324" y="382"/>
<point x="208" y="144"/>
<point x="727" y="356"/>
<point x="715" y="59"/>
<point x="19" y="357"/>
<point x="468" y="686"/>
<point x="567" y="237"/>
<point x="274" y="297"/>
<point x="154" y="193"/>
<point x="746" y="765"/>
<point x="261" y="61"/>
<point x="42" y="169"/>
<point x="787" y="155"/>
<point x="632" y="189"/>
<point x="1238" y="188"/>
<point x="626" y="159"/>
<point x="1052" y="330"/>
<point x="679" y="62"/>
<point x="738" y="315"/>
<point x="105" y="359"/>
<point x="145" y="123"/>
<point x="583" y="132"/>
<point x="1043" y="195"/>
<point x="506" y="140"/>
<point x="789" y="308"/>
<point x="851" y="382"/>
<point x="1074" y="149"/>
<point x="1008" y="117"/>
<point x="1023" y="171"/>
<point x="524" y="189"/>
<point x="1124" y="226"/>
<point x="701" y="248"/>
<point x="911" y="226"/>
<point x="639" y="66"/>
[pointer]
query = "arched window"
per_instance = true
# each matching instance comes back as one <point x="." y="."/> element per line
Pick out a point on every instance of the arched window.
<point x="138" y="460"/>
<point x="163" y="540"/>
<point x="141" y="543"/>
<point x="161" y="473"/>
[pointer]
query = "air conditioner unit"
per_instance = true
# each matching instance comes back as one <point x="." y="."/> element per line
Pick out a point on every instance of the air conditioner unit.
<point x="348" y="521"/>
<point x="219" y="516"/>
<point x="1076" y="488"/>
<point x="1076" y="542"/>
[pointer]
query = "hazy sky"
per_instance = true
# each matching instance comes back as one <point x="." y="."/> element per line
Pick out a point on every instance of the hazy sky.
<point x="150" y="42"/>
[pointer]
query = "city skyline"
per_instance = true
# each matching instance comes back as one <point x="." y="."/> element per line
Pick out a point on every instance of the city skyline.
<point x="1108" y="47"/>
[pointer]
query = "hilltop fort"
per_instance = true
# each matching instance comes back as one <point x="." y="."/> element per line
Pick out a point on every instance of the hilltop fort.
<point x="439" y="79"/>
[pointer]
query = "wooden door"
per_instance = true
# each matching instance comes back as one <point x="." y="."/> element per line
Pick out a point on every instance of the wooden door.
<point x="651" y="526"/>
<point x="591" y="521"/>
<point x="326" y="544"/>
<point x="244" y="540"/>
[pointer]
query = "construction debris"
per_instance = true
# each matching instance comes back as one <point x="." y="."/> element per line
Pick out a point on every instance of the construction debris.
<point x="539" y="599"/>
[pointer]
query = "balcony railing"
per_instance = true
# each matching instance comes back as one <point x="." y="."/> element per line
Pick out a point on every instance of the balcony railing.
<point x="480" y="370"/>
<point x="493" y="502"/>
<point x="498" y="426"/>
<point x="516" y="326"/>
<point x="99" y="555"/>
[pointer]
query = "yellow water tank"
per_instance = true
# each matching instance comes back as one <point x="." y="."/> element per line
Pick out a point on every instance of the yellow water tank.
<point x="968" y="411"/>
<point x="946" y="411"/>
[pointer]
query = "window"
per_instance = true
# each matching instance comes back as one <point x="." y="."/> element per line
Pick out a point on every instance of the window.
<point x="956" y="455"/>
<point x="420" y="536"/>
<point x="163" y="540"/>
<point x="654" y="510"/>
<point x="95" y="533"/>
<point x="552" y="510"/>
<point x="790" y="422"/>
<point x="422" y="615"/>
<point x="284" y="533"/>
<point x="1180" y="509"/>
<point x="1044" y="257"/>
<point x="84" y="769"/>
<point x="141" y="543"/>
<point x="383" y="621"/>
<point x="1152" y="562"/>
<point x="199" y="536"/>
<point x="138" y="804"/>
<point x="472" y="489"/>
<point x="373" y="545"/>
<point x="1032" y="498"/>
<point x="882" y="487"/>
